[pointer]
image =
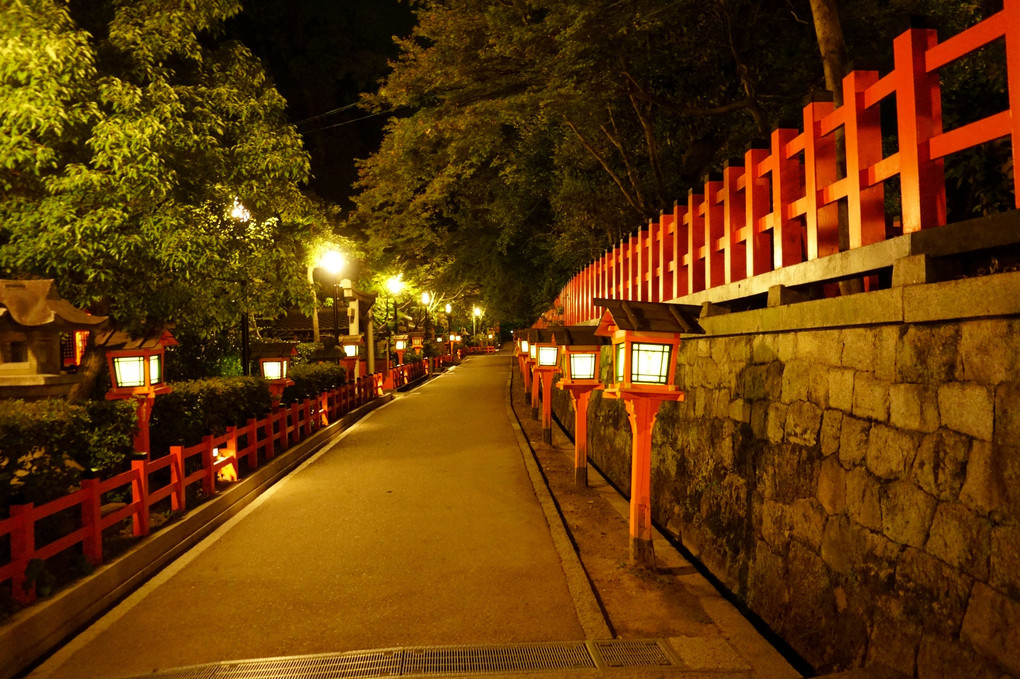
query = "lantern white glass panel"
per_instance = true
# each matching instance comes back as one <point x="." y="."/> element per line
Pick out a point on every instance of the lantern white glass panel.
<point x="130" y="371"/>
<point x="533" y="352"/>
<point x="351" y="350"/>
<point x="272" y="370"/>
<point x="548" y="356"/>
<point x="650" y="363"/>
<point x="582" y="366"/>
<point x="524" y="346"/>
<point x="401" y="345"/>
<point x="620" y="349"/>
<point x="155" y="369"/>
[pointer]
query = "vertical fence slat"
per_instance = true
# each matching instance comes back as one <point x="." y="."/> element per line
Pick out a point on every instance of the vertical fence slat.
<point x="734" y="249"/>
<point x="865" y="206"/>
<point x="22" y="551"/>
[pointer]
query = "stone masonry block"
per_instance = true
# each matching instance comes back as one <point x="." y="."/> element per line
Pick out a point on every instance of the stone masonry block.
<point x="841" y="389"/>
<point x="775" y="524"/>
<point x="807" y="519"/>
<point x="831" y="423"/>
<point x="818" y="385"/>
<point x="928" y="354"/>
<point x="853" y="441"/>
<point x="987" y="350"/>
<point x="862" y="499"/>
<point x="795" y="381"/>
<point x="786" y="346"/>
<point x="824" y="347"/>
<point x="832" y="486"/>
<point x="706" y="373"/>
<point x="932" y="590"/>
<point x="891" y="452"/>
<point x="763" y="349"/>
<point x="871" y="397"/>
<point x="967" y="407"/>
<point x="803" y="420"/>
<point x="984" y="489"/>
<point x="940" y="657"/>
<point x="894" y="640"/>
<point x="914" y="407"/>
<point x="961" y="538"/>
<point x="992" y="625"/>
<point x="907" y="513"/>
<point x="940" y="463"/>
<point x="1007" y="414"/>
<point x="858" y="349"/>
<point x="1005" y="560"/>
<point x="776" y="421"/>
<point x="886" y="342"/>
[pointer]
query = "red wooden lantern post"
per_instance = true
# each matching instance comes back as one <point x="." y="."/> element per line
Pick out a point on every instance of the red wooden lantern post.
<point x="274" y="365"/>
<point x="523" y="355"/>
<point x="547" y="364"/>
<point x="582" y="350"/>
<point x="136" y="372"/>
<point x="400" y="346"/>
<point x="530" y="363"/>
<point x="645" y="338"/>
<point x="351" y="345"/>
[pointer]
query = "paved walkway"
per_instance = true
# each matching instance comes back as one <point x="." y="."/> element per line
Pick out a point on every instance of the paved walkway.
<point x="419" y="526"/>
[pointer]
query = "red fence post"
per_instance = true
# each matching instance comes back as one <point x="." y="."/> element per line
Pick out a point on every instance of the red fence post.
<point x="1011" y="9"/>
<point x="715" y="231"/>
<point x="92" y="517"/>
<point x="918" y="119"/>
<point x="695" y="224"/>
<point x="821" y="220"/>
<point x="140" y="494"/>
<point x="865" y="206"/>
<point x="757" y="197"/>
<point x="22" y="551"/>
<point x="252" y="440"/>
<point x="177" y="498"/>
<point x="787" y="233"/>
<point x="734" y="215"/>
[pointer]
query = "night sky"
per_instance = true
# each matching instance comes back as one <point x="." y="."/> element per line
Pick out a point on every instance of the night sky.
<point x="321" y="54"/>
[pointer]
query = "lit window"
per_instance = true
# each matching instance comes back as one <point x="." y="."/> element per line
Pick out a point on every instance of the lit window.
<point x="547" y="356"/>
<point x="130" y="371"/>
<point x="650" y="363"/>
<point x="155" y="369"/>
<point x="582" y="366"/>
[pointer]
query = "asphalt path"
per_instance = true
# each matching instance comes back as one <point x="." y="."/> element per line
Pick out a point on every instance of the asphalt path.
<point x="418" y="526"/>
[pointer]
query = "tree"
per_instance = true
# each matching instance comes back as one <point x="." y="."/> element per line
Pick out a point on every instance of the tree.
<point x="146" y="164"/>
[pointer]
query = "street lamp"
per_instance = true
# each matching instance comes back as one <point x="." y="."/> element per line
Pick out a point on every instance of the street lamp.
<point x="136" y="372"/>
<point x="645" y="338"/>
<point x="475" y="315"/>
<point x="334" y="262"/>
<point x="426" y="299"/>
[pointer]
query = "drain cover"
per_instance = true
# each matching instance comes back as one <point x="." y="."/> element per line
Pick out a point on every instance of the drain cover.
<point x="426" y="661"/>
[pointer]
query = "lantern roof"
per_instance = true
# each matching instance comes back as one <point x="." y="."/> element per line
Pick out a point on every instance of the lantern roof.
<point x="351" y="339"/>
<point x="622" y="314"/>
<point x="578" y="337"/>
<point x="273" y="350"/>
<point x="541" y="335"/>
<point x="37" y="304"/>
<point x="404" y="336"/>
<point x="119" y="339"/>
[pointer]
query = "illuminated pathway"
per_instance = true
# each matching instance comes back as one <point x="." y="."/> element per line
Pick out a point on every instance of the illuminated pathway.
<point x="420" y="526"/>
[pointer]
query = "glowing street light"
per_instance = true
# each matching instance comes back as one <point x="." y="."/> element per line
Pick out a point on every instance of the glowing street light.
<point x="334" y="262"/>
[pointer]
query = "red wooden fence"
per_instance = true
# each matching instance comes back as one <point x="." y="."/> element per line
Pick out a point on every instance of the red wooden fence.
<point x="218" y="458"/>
<point x="780" y="207"/>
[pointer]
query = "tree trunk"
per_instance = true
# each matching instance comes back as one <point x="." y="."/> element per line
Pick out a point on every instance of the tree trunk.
<point x="835" y="61"/>
<point x="92" y="363"/>
<point x="315" y="306"/>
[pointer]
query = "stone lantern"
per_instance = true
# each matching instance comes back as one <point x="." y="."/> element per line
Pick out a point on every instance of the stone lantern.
<point x="645" y="338"/>
<point x="32" y="318"/>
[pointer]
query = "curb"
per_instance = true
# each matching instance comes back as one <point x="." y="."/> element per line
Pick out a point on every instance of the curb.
<point x="35" y="631"/>
<point x="589" y="612"/>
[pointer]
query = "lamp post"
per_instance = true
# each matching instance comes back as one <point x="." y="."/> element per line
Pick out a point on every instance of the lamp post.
<point x="136" y="372"/>
<point x="334" y="262"/>
<point x="547" y="364"/>
<point x="394" y="285"/>
<point x="582" y="350"/>
<point x="426" y="299"/>
<point x="475" y="315"/>
<point x="645" y="338"/>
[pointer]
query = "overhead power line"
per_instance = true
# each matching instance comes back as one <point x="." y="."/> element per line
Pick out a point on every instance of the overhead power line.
<point x="327" y="113"/>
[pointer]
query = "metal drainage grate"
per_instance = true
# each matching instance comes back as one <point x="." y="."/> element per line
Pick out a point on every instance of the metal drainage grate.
<point x="632" y="654"/>
<point x="478" y="659"/>
<point x="437" y="661"/>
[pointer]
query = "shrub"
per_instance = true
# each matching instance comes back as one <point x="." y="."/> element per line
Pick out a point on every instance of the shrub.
<point x="312" y="379"/>
<point x="45" y="445"/>
<point x="206" y="406"/>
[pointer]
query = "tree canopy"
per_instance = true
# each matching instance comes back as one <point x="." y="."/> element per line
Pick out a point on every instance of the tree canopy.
<point x="534" y="134"/>
<point x="146" y="163"/>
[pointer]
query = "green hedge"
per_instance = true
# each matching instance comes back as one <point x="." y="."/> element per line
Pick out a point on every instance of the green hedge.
<point x="45" y="445"/>
<point x="311" y="379"/>
<point x="206" y="406"/>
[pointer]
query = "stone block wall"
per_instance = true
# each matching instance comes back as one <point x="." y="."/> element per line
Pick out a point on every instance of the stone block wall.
<point x="857" y="487"/>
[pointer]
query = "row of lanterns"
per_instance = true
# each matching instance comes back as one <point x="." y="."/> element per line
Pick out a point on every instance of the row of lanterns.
<point x="643" y="338"/>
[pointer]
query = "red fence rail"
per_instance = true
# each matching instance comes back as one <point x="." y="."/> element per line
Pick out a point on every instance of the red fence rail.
<point x="780" y="207"/>
<point x="217" y="459"/>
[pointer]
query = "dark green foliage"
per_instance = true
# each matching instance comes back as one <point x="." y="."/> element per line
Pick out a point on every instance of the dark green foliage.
<point x="312" y="379"/>
<point x="45" y="445"/>
<point x="207" y="406"/>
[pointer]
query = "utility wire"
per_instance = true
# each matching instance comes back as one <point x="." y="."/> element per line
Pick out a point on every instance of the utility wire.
<point x="348" y="122"/>
<point x="327" y="113"/>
